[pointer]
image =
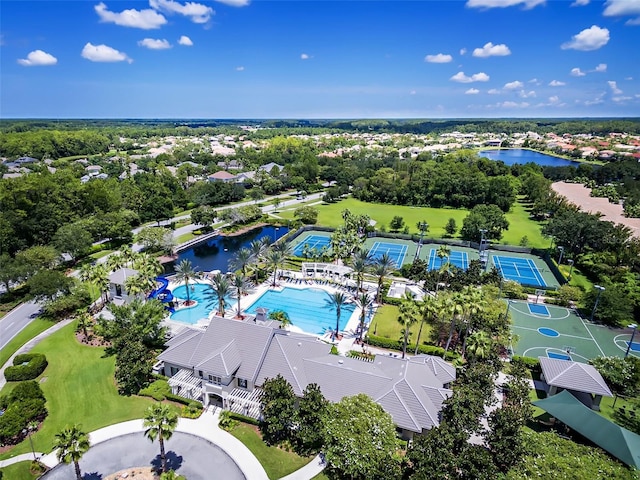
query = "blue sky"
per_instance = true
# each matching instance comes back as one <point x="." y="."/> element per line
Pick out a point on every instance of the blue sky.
<point x="319" y="59"/>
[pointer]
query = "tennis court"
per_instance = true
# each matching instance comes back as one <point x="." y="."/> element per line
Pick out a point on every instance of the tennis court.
<point x="313" y="241"/>
<point x="561" y="333"/>
<point x="456" y="257"/>
<point x="522" y="270"/>
<point x="395" y="251"/>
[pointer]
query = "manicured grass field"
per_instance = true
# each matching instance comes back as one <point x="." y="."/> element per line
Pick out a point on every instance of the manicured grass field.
<point x="79" y="388"/>
<point x="385" y="324"/>
<point x="520" y="224"/>
<point x="34" y="328"/>
<point x="276" y="461"/>
<point x="18" y="471"/>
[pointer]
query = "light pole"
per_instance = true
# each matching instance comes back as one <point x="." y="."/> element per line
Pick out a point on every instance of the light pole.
<point x="27" y="432"/>
<point x="635" y="328"/>
<point x="561" y="248"/>
<point x="506" y="314"/>
<point x="570" y="262"/>
<point x="423" y="228"/>
<point x="595" y="305"/>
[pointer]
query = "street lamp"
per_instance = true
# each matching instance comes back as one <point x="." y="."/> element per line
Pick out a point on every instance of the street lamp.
<point x="570" y="262"/>
<point x="27" y="432"/>
<point x="561" y="248"/>
<point x="635" y="328"/>
<point x="595" y="305"/>
<point x="423" y="228"/>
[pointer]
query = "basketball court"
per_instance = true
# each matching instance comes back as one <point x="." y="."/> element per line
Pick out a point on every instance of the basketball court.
<point x="558" y="332"/>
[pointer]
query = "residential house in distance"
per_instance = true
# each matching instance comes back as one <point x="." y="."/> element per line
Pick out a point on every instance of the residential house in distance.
<point x="227" y="363"/>
<point x="222" y="176"/>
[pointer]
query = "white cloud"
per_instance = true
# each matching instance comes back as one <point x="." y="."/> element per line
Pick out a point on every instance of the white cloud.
<point x="463" y="51"/>
<point x="589" y="39"/>
<point x="154" y="43"/>
<point x="472" y="91"/>
<point x="240" y="69"/>
<point x="412" y="92"/>
<point x="504" y="3"/>
<point x="620" y="8"/>
<point x="509" y="104"/>
<point x="576" y="72"/>
<point x="513" y="85"/>
<point x="633" y="21"/>
<point x="38" y="58"/>
<point x="103" y="53"/>
<point x="621" y="99"/>
<point x="197" y="12"/>
<point x="234" y="3"/>
<point x="525" y="94"/>
<point x="554" y="99"/>
<point x="304" y="56"/>
<point x="476" y="77"/>
<point x="185" y="41"/>
<point x="580" y="3"/>
<point x="535" y="81"/>
<point x="493" y="91"/>
<point x="145" y="19"/>
<point x="491" y="50"/>
<point x="614" y="87"/>
<point x="556" y="83"/>
<point x="628" y="78"/>
<point x="602" y="67"/>
<point x="438" y="58"/>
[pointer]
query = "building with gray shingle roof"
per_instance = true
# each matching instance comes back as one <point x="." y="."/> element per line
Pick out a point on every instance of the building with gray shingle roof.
<point x="229" y="361"/>
<point x="576" y="377"/>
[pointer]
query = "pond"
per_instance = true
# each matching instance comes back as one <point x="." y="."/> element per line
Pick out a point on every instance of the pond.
<point x="215" y="253"/>
<point x="515" y="155"/>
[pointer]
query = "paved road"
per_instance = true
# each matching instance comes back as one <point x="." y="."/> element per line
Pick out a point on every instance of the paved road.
<point x="188" y="455"/>
<point x="12" y="323"/>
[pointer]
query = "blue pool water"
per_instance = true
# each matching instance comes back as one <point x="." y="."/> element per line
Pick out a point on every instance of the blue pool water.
<point x="516" y="155"/>
<point x="307" y="308"/>
<point x="199" y="311"/>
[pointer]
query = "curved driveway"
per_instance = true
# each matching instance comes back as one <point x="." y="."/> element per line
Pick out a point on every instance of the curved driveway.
<point x="188" y="455"/>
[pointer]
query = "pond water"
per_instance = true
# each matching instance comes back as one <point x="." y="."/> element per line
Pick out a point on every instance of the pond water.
<point x="516" y="155"/>
<point x="215" y="253"/>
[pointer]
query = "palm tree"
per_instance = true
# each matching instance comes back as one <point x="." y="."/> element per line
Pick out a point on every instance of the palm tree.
<point x="100" y="278"/>
<point x="474" y="304"/>
<point x="364" y="302"/>
<point x="241" y="260"/>
<point x="360" y="262"/>
<point x="409" y="314"/>
<point x="185" y="272"/>
<point x="336" y="300"/>
<point x="275" y="259"/>
<point x="160" y="421"/>
<point x="218" y="290"/>
<point x="280" y="316"/>
<point x="258" y="248"/>
<point x="71" y="444"/>
<point x="479" y="345"/>
<point x="84" y="321"/>
<point x="429" y="310"/>
<point x="455" y="308"/>
<point x="382" y="267"/>
<point x="443" y="252"/>
<point x="241" y="285"/>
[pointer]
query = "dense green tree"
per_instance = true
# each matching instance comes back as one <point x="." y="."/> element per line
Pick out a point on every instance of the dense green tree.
<point x="396" y="224"/>
<point x="614" y="307"/>
<point x="73" y="239"/>
<point x="306" y="214"/>
<point x="141" y="319"/>
<point x="46" y="285"/>
<point x="621" y="374"/>
<point x="134" y="362"/>
<point x="154" y="238"/>
<point x="484" y="217"/>
<point x="310" y="417"/>
<point x="359" y="440"/>
<point x="203" y="215"/>
<point x="451" y="227"/>
<point x="277" y="406"/>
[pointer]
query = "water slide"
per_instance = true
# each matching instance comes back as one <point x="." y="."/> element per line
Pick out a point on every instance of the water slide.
<point x="162" y="293"/>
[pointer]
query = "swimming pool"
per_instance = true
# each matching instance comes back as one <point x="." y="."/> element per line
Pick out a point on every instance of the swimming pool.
<point x="199" y="311"/>
<point x="307" y="308"/>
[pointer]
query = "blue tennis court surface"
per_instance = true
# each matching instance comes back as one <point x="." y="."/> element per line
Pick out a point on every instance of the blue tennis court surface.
<point x="393" y="250"/>
<point x="457" y="258"/>
<point x="539" y="309"/>
<point x="635" y="346"/>
<point x="314" y="241"/>
<point x="522" y="270"/>
<point x="559" y="356"/>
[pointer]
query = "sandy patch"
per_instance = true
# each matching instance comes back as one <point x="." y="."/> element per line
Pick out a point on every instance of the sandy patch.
<point x="580" y="195"/>
<point x="136" y="473"/>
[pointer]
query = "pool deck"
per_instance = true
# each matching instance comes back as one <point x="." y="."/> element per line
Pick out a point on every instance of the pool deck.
<point x="287" y="279"/>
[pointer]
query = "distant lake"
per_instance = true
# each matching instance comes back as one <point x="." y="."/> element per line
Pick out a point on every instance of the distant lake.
<point x="215" y="253"/>
<point x="513" y="156"/>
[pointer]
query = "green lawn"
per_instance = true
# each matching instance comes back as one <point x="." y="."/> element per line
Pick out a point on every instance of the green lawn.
<point x="520" y="224"/>
<point x="101" y="253"/>
<point x="276" y="461"/>
<point x="385" y="324"/>
<point x="34" y="328"/>
<point x="79" y="387"/>
<point x="18" y="471"/>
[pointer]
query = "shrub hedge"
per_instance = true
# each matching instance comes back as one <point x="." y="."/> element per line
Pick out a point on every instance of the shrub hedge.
<point x="26" y="403"/>
<point x="34" y="365"/>
<point x="157" y="390"/>
<point x="243" y="418"/>
<point x="389" y="343"/>
<point x="178" y="399"/>
<point x="531" y="363"/>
